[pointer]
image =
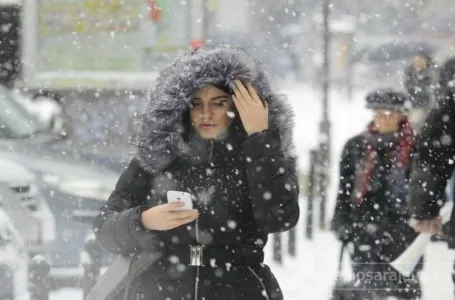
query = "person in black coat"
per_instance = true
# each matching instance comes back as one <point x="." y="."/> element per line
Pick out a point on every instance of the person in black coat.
<point x="419" y="79"/>
<point x="435" y="163"/>
<point x="213" y="127"/>
<point x="434" y="160"/>
<point x="420" y="84"/>
<point x="370" y="212"/>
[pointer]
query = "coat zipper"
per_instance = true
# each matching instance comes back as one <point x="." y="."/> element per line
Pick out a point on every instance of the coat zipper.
<point x="211" y="150"/>
<point x="196" y="283"/>
<point x="262" y="284"/>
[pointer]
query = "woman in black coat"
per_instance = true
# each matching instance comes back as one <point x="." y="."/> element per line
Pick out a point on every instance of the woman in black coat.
<point x="215" y="128"/>
<point x="371" y="212"/>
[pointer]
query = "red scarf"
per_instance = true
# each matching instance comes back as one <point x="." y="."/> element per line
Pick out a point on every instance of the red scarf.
<point x="401" y="149"/>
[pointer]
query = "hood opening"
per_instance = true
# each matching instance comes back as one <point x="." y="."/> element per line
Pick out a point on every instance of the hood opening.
<point x="161" y="129"/>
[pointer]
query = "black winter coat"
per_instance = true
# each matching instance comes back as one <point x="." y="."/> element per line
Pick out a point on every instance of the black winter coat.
<point x="377" y="227"/>
<point x="244" y="187"/>
<point x="380" y="208"/>
<point x="434" y="163"/>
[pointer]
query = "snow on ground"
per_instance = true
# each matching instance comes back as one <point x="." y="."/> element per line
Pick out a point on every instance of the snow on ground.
<point x="312" y="273"/>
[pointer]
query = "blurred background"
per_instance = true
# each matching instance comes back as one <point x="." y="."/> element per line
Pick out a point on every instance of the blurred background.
<point x="67" y="47"/>
<point x="74" y="75"/>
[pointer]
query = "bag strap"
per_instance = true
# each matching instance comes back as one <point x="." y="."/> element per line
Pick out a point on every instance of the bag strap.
<point x="140" y="262"/>
<point x="129" y="277"/>
<point x="340" y="259"/>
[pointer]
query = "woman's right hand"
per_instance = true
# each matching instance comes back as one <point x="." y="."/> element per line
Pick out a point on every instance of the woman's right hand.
<point x="164" y="216"/>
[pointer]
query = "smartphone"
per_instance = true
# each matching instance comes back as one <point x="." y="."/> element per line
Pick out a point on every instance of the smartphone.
<point x="177" y="196"/>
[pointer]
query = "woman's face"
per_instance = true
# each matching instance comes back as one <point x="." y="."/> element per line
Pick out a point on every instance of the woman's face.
<point x="387" y="121"/>
<point x="211" y="112"/>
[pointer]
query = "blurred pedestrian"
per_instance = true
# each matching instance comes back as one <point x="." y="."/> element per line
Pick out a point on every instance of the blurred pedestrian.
<point x="370" y="213"/>
<point x="214" y="127"/>
<point x="435" y="163"/>
<point x="419" y="82"/>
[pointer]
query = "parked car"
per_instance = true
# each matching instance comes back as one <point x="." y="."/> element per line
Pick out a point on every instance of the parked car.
<point x="68" y="181"/>
<point x="42" y="122"/>
<point x="26" y="207"/>
<point x="46" y="108"/>
<point x="13" y="262"/>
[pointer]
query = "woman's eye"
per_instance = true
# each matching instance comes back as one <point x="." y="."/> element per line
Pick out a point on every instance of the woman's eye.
<point x="195" y="104"/>
<point x="218" y="104"/>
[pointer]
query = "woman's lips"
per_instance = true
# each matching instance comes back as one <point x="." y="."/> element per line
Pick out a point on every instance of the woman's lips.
<point x="207" y="126"/>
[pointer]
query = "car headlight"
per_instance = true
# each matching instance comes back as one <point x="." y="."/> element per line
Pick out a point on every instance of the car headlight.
<point x="85" y="188"/>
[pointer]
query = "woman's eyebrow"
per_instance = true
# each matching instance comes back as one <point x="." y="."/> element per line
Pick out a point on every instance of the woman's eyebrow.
<point x="219" y="97"/>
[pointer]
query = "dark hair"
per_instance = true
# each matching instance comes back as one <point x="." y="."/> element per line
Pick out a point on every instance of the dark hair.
<point x="224" y="87"/>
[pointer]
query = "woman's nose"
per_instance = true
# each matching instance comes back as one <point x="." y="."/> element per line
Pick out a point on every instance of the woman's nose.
<point x="206" y="112"/>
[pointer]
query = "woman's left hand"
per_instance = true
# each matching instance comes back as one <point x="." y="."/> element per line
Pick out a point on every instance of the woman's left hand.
<point x="253" y="113"/>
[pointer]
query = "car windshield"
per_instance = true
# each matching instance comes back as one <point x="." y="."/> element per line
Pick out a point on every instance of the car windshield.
<point x="15" y="120"/>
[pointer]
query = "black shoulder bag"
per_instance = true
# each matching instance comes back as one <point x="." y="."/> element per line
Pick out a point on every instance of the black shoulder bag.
<point x="344" y="290"/>
<point x="116" y="281"/>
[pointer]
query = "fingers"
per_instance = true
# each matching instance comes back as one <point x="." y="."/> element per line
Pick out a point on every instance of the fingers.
<point x="417" y="226"/>
<point x="240" y="106"/>
<point x="171" y="206"/>
<point x="420" y="226"/>
<point x="437" y="225"/>
<point x="254" y="95"/>
<point x="246" y="94"/>
<point x="425" y="226"/>
<point x="241" y="92"/>
<point x="429" y="226"/>
<point x="177" y="215"/>
<point x="180" y="222"/>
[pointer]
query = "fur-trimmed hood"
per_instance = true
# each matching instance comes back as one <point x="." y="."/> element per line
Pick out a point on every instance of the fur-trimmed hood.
<point x="159" y="134"/>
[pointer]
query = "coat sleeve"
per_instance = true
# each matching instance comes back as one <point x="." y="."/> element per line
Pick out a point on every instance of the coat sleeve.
<point x="433" y="162"/>
<point x="341" y="220"/>
<point x="273" y="182"/>
<point x="118" y="227"/>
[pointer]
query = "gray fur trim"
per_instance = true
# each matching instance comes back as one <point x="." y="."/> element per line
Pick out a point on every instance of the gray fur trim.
<point x="158" y="138"/>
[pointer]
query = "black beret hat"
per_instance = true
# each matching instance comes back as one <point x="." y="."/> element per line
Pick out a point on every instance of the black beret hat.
<point x="388" y="99"/>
